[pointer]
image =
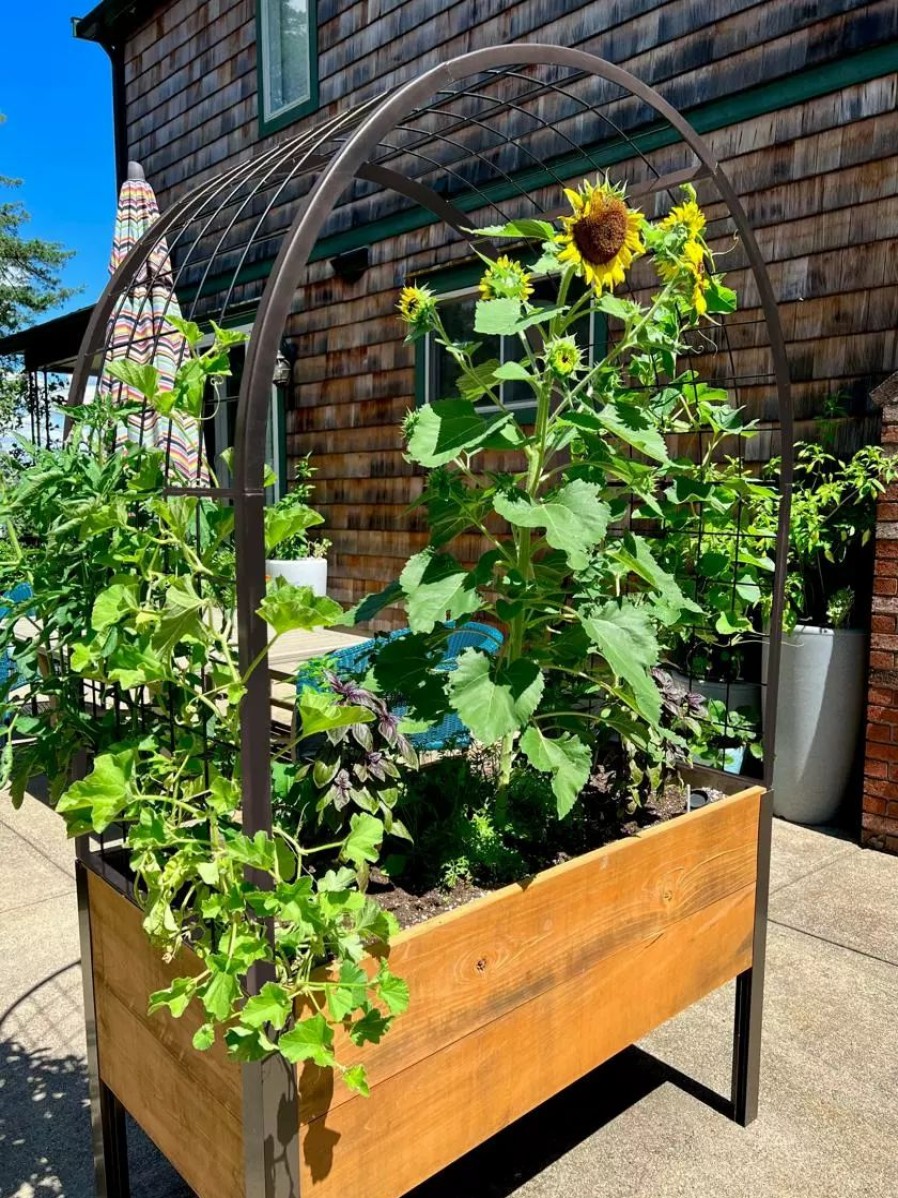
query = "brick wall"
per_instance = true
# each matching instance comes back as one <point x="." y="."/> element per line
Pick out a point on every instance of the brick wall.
<point x="879" y="821"/>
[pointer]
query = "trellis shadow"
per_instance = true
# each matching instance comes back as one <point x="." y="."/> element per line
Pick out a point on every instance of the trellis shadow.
<point x="45" y="1135"/>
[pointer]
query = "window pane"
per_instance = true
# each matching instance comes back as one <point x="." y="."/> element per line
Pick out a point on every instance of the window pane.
<point x="286" y="50"/>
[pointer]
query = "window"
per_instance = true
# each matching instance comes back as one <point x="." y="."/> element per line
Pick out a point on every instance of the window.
<point x="221" y="426"/>
<point x="287" y="41"/>
<point x="438" y="373"/>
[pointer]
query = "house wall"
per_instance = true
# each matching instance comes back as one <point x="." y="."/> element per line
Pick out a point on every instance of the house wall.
<point x="797" y="100"/>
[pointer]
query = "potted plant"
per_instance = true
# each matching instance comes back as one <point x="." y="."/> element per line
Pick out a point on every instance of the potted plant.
<point x="824" y="655"/>
<point x="273" y="945"/>
<point x="301" y="559"/>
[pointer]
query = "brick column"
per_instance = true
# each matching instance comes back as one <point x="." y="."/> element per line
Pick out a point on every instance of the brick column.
<point x="879" y="821"/>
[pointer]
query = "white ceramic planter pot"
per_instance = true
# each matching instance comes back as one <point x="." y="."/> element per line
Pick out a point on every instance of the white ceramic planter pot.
<point x="821" y="702"/>
<point x="306" y="572"/>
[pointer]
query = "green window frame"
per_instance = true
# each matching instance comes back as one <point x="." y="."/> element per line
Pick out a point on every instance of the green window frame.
<point x="287" y="63"/>
<point x="461" y="284"/>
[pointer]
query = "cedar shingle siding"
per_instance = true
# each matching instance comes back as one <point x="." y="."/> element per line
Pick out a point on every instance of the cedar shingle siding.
<point x="812" y="152"/>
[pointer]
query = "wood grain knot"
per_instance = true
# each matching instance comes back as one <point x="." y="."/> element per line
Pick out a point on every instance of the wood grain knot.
<point x="481" y="965"/>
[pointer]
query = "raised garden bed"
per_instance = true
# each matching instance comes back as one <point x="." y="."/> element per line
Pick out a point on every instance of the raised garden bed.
<point x="515" y="996"/>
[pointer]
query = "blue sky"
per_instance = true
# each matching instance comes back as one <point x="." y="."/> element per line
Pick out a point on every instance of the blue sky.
<point x="56" y="94"/>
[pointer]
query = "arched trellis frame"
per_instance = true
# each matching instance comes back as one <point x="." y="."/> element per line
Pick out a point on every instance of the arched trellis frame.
<point x="470" y="136"/>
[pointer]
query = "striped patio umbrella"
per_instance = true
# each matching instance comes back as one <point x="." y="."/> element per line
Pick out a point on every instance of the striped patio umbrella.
<point x="140" y="330"/>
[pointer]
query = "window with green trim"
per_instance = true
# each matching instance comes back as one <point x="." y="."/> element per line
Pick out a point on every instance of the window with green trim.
<point x="287" y="41"/>
<point x="438" y="373"/>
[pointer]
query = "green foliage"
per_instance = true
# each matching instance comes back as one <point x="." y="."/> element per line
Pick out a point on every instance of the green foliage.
<point x="585" y="605"/>
<point x="288" y="521"/>
<point x="833" y="517"/>
<point x="133" y="627"/>
<point x="352" y="755"/>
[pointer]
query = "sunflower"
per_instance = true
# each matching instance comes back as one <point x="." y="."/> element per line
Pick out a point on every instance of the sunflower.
<point x="506" y="279"/>
<point x="602" y="237"/>
<point x="686" y="216"/>
<point x="694" y="262"/>
<point x="416" y="305"/>
<point x="564" y="357"/>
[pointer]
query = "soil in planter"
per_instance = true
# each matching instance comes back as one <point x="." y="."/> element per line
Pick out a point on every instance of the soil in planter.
<point x="429" y="881"/>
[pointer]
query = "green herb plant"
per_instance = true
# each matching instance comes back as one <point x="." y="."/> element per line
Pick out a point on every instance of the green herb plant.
<point x="833" y="516"/>
<point x="291" y="508"/>
<point x="133" y="666"/>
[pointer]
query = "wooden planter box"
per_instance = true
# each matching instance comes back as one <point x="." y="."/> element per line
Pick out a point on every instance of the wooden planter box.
<point x="513" y="997"/>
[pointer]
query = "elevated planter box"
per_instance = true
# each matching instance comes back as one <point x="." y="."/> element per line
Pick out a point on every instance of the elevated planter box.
<point x="513" y="997"/>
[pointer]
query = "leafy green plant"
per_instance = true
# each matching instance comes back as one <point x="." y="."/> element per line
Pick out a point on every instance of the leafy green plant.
<point x="833" y="516"/>
<point x="355" y="765"/>
<point x="723" y="729"/>
<point x="134" y="646"/>
<point x="293" y="510"/>
<point x="581" y="597"/>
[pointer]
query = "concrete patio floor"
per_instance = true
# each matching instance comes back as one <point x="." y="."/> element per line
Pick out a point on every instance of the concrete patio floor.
<point x="645" y="1125"/>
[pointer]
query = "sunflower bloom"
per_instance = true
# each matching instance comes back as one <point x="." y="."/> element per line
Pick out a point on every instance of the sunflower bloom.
<point x="416" y="306"/>
<point x="506" y="279"/>
<point x="602" y="236"/>
<point x="694" y="262"/>
<point x="686" y="216"/>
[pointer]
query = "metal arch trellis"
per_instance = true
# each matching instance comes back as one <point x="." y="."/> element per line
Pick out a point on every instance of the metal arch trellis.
<point x="448" y="143"/>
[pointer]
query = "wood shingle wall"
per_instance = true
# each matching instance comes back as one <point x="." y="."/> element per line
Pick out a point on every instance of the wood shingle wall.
<point x="797" y="100"/>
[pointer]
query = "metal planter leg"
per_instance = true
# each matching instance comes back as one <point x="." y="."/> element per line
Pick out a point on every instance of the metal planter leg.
<point x="750" y="988"/>
<point x="107" y="1115"/>
<point x="271" y="1129"/>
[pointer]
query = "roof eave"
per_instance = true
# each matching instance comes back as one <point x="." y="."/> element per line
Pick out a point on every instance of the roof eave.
<point x="111" y="20"/>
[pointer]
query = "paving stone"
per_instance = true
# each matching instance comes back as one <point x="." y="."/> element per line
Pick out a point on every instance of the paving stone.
<point x="853" y="902"/>
<point x="799" y="851"/>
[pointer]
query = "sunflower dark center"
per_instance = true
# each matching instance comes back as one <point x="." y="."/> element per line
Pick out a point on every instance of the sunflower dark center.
<point x="601" y="232"/>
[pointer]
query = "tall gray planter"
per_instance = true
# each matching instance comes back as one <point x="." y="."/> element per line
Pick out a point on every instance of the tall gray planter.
<point x="821" y="699"/>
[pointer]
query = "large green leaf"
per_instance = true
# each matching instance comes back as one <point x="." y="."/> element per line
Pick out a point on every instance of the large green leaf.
<point x="633" y="553"/>
<point x="574" y="517"/>
<point x="444" y="429"/>
<point x="436" y="587"/>
<point x="181" y="618"/>
<point x="364" y="840"/>
<point x="311" y="1040"/>
<point x="623" y="634"/>
<point x="497" y="317"/>
<point x="566" y="758"/>
<point x="494" y="700"/>
<point x="407" y="665"/>
<point x="287" y="607"/>
<point x="97" y="800"/>
<point x="271" y="1005"/>
<point x="112" y="606"/>
<point x="321" y="713"/>
<point x="282" y="524"/>
<point x="634" y="427"/>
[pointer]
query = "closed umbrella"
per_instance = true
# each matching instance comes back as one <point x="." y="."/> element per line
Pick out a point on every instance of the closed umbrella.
<point x="141" y="330"/>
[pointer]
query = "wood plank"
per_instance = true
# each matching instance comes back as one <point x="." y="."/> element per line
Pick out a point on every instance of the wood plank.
<point x="476" y="965"/>
<point x="424" y="1118"/>
<point x="149" y="1062"/>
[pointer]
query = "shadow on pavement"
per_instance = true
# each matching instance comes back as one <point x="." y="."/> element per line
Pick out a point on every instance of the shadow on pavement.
<point x="521" y="1152"/>
<point x="45" y="1141"/>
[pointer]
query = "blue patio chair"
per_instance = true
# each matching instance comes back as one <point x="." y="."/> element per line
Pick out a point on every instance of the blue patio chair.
<point x="450" y="731"/>
<point x="9" y="603"/>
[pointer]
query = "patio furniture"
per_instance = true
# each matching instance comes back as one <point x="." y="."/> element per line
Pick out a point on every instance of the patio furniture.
<point x="9" y="603"/>
<point x="355" y="660"/>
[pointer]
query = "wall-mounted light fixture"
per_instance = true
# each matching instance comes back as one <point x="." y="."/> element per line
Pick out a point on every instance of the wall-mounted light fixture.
<point x="283" y="369"/>
<point x="352" y="265"/>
